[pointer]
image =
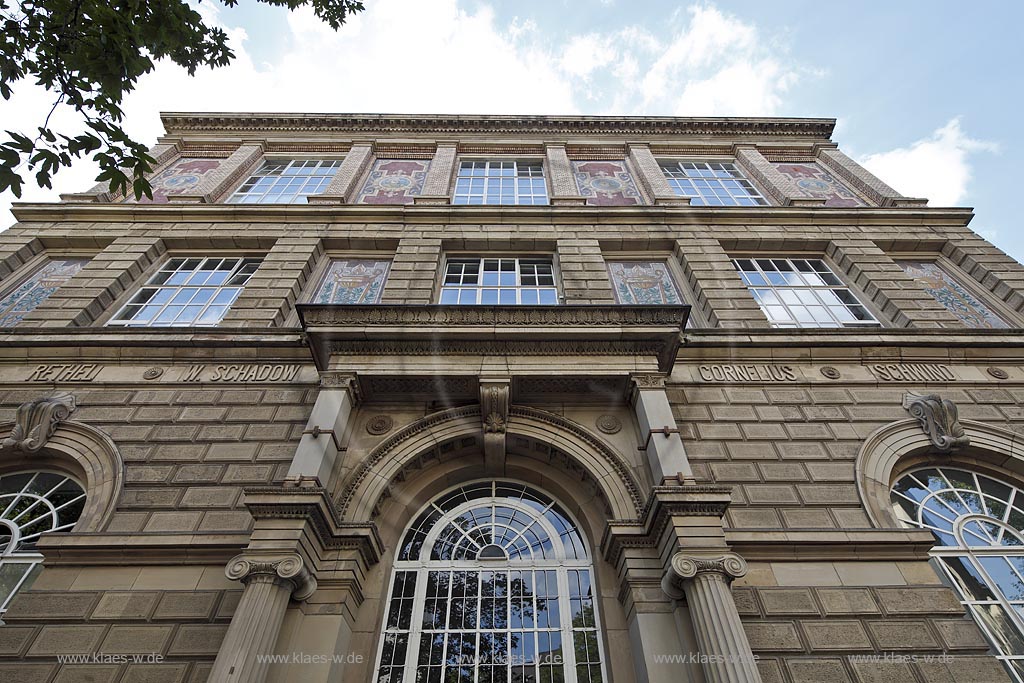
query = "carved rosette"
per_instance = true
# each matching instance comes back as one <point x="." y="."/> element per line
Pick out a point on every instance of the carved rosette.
<point x="36" y="421"/>
<point x="289" y="570"/>
<point x="938" y="418"/>
<point x="685" y="567"/>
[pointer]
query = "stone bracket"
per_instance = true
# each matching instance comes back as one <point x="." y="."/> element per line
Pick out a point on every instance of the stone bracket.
<point x="36" y="421"/>
<point x="938" y="418"/>
<point x="494" y="410"/>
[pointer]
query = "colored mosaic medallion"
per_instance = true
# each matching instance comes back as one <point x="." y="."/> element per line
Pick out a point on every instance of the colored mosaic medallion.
<point x="605" y="183"/>
<point x="37" y="289"/>
<point x="951" y="294"/>
<point x="820" y="184"/>
<point x="643" y="282"/>
<point x="353" y="282"/>
<point x="394" y="181"/>
<point x="182" y="177"/>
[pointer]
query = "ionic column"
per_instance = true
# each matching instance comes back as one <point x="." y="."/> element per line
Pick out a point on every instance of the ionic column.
<point x="269" y="585"/>
<point x="704" y="581"/>
<point x="318" y="449"/>
<point x="666" y="455"/>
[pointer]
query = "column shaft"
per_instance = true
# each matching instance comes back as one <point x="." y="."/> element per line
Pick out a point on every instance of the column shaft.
<point x="253" y="631"/>
<point x="719" y="631"/>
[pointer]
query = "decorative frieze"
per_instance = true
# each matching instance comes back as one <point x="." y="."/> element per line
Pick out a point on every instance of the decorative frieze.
<point x="387" y="315"/>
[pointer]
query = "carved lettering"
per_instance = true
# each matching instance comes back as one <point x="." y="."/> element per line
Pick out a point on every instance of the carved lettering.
<point x="747" y="373"/>
<point x="193" y="374"/>
<point x="912" y="372"/>
<point x="254" y="373"/>
<point x="65" y="372"/>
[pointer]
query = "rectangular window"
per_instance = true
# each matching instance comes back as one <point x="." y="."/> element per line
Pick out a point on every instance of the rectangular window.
<point x="500" y="182"/>
<point x="37" y="288"/>
<point x="711" y="183"/>
<point x="643" y="283"/>
<point x="188" y="292"/>
<point x="352" y="281"/>
<point x="957" y="299"/>
<point x="499" y="282"/>
<point x="286" y="182"/>
<point x="802" y="293"/>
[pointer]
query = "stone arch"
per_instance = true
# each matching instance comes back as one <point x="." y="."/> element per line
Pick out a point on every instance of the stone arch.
<point x="370" y="482"/>
<point x="899" y="446"/>
<point x="85" y="453"/>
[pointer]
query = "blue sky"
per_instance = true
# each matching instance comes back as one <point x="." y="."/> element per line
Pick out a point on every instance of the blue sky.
<point x="926" y="93"/>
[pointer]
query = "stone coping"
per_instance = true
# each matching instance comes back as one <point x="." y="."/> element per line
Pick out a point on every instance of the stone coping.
<point x="251" y="123"/>
<point x="435" y="214"/>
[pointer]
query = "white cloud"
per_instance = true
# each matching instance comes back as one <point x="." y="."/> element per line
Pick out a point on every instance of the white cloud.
<point x="937" y="167"/>
<point x="399" y="56"/>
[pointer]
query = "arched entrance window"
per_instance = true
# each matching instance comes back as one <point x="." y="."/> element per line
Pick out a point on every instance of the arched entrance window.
<point x="978" y="522"/>
<point x="32" y="504"/>
<point x="493" y="583"/>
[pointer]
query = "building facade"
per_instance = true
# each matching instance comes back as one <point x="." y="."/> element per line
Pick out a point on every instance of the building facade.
<point x="508" y="399"/>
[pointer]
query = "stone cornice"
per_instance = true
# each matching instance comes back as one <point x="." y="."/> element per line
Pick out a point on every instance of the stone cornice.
<point x="494" y="330"/>
<point x="147" y="549"/>
<point x="434" y="214"/>
<point x="184" y="123"/>
<point x="823" y="545"/>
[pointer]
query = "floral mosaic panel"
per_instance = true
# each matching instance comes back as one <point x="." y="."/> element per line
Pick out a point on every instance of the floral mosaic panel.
<point x="37" y="289"/>
<point x="951" y="294"/>
<point x="184" y="176"/>
<point x="643" y="282"/>
<point x="394" y="181"/>
<point x="605" y="183"/>
<point x="353" y="281"/>
<point x="820" y="184"/>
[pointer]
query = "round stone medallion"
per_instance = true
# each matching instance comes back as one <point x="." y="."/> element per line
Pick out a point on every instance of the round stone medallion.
<point x="380" y="424"/>
<point x="609" y="424"/>
<point x="998" y="373"/>
<point x="830" y="372"/>
<point x="152" y="373"/>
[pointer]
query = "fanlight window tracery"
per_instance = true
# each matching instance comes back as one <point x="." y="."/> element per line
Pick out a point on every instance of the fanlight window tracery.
<point x="492" y="584"/>
<point x="978" y="522"/>
<point x="32" y="504"/>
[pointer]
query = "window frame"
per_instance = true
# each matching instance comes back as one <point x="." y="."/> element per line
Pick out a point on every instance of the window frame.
<point x="265" y="159"/>
<point x="982" y="293"/>
<point x="422" y="567"/>
<point x="715" y="160"/>
<point x="880" y="320"/>
<point x="517" y="159"/>
<point x="142" y="281"/>
<point x="529" y="255"/>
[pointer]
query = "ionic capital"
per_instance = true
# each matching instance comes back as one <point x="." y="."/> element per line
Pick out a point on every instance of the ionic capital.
<point x="348" y="381"/>
<point x="290" y="570"/>
<point x="685" y="567"/>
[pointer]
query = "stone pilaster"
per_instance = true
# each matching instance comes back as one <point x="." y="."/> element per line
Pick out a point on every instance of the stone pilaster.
<point x="414" y="271"/>
<point x="344" y="187"/>
<point x="560" y="178"/>
<point x="722" y="297"/>
<point x="223" y="180"/>
<point x="15" y="251"/>
<point x="704" y="581"/>
<point x="585" y="278"/>
<point x="317" y="453"/>
<point x="90" y="294"/>
<point x="269" y="585"/>
<point x="666" y="455"/>
<point x="651" y="177"/>
<point x="270" y="294"/>
<point x="437" y="186"/>
<point x="779" y="188"/>
<point x="989" y="266"/>
<point x="858" y="177"/>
